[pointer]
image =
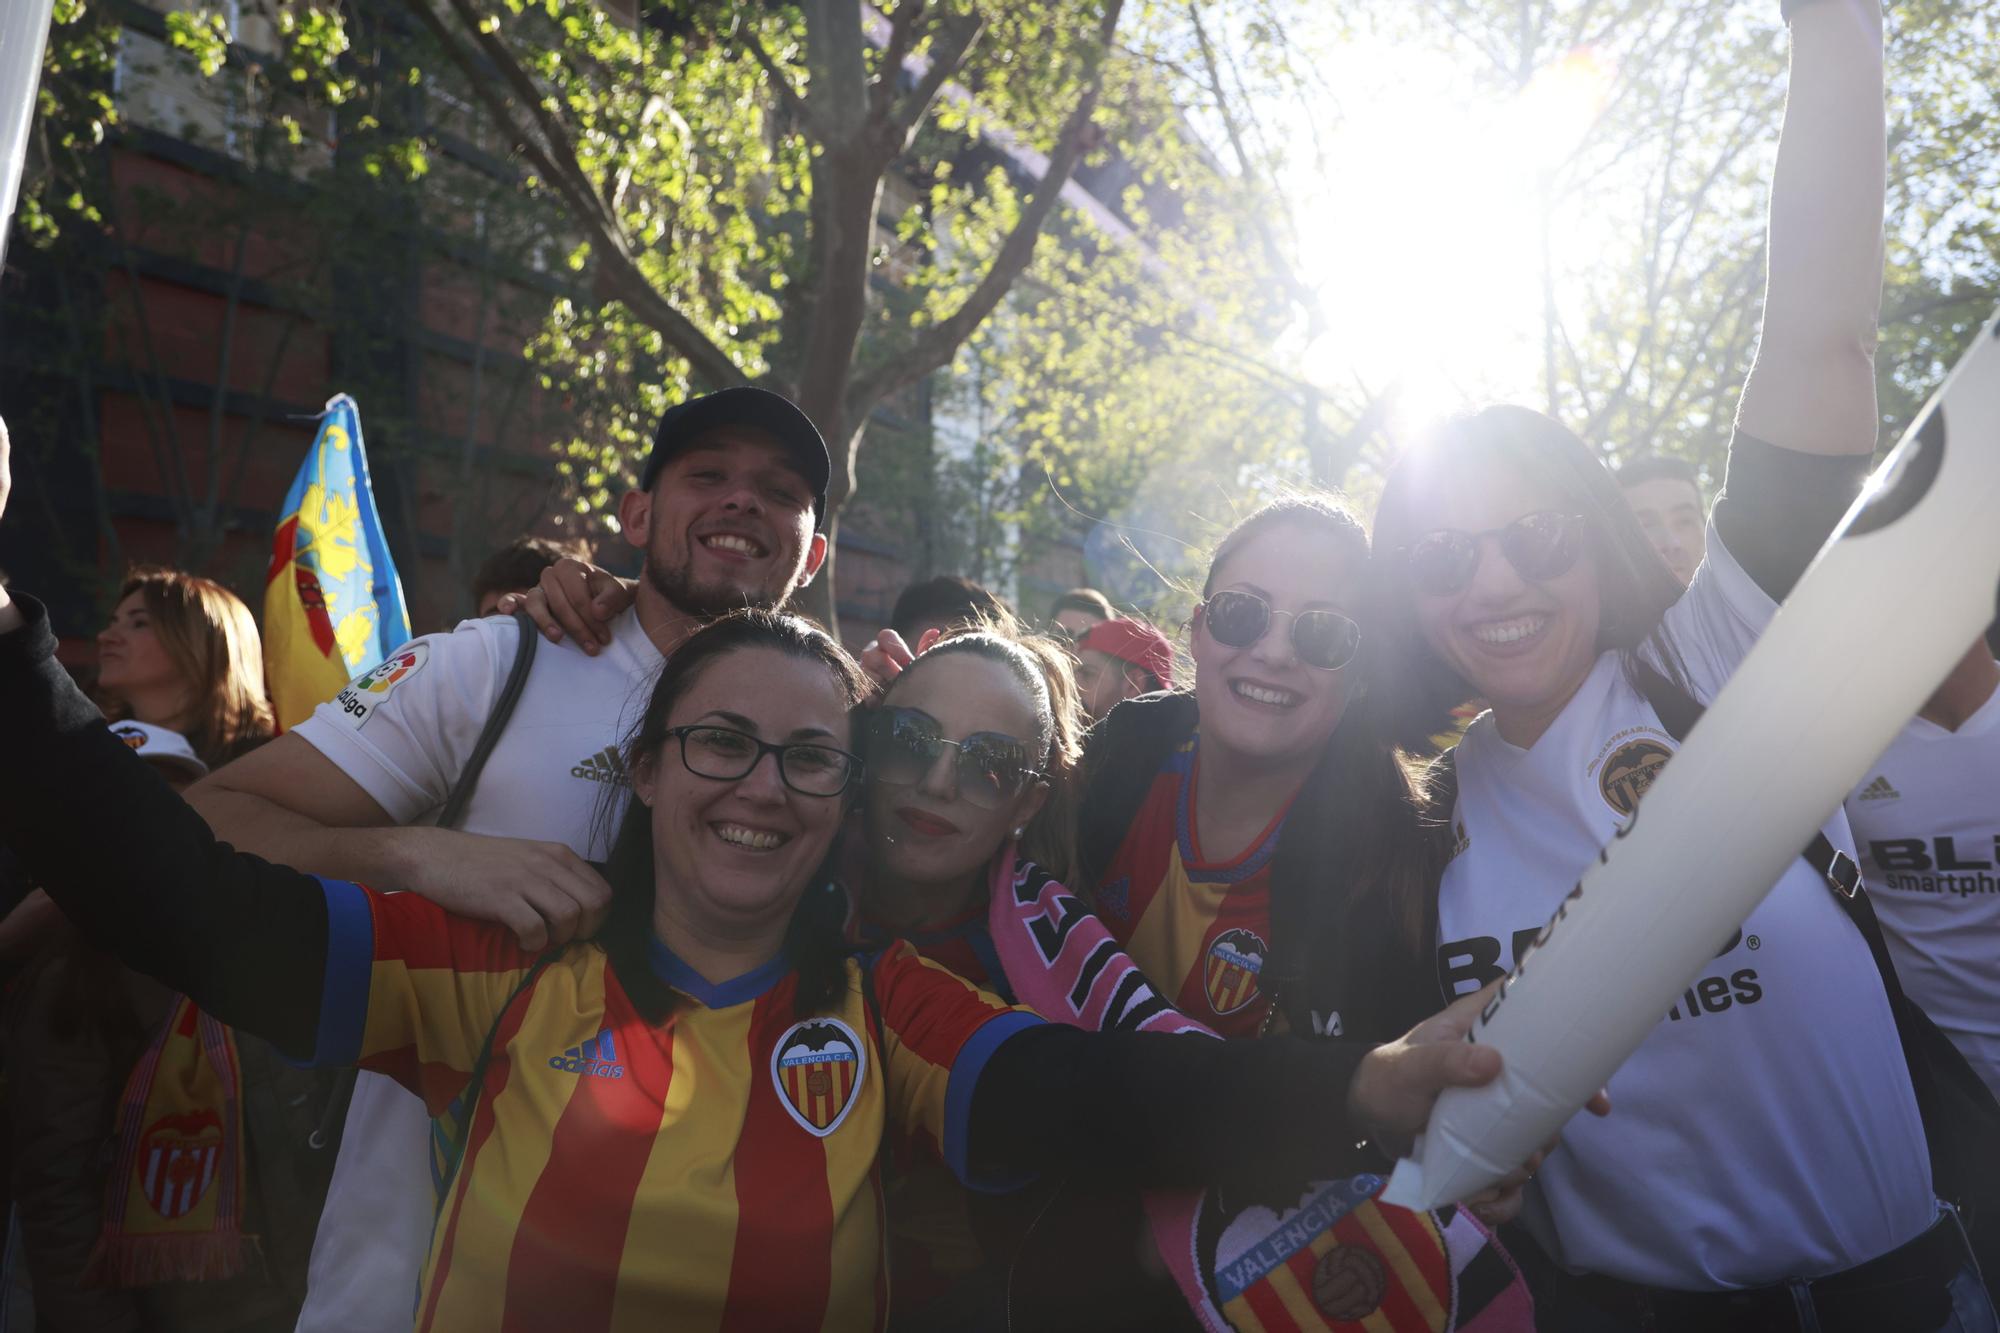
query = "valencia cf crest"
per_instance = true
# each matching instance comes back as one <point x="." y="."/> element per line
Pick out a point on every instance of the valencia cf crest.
<point x="1630" y="772"/>
<point x="817" y="1068"/>
<point x="1334" y="1261"/>
<point x="1230" y="971"/>
<point x="178" y="1156"/>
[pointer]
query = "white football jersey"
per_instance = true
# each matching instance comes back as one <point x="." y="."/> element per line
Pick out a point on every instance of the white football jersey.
<point x="1927" y="822"/>
<point x="404" y="732"/>
<point x="1767" y="1128"/>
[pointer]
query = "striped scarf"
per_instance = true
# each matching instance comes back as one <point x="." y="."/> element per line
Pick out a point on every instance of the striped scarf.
<point x="173" y="1206"/>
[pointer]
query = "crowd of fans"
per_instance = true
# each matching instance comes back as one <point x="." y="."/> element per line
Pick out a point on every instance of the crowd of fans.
<point x="1087" y="976"/>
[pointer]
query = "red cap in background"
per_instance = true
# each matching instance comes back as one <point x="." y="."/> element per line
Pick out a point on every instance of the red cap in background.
<point x="1133" y="642"/>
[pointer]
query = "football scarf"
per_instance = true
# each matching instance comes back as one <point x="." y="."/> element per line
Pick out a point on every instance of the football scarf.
<point x="1332" y="1260"/>
<point x="173" y="1207"/>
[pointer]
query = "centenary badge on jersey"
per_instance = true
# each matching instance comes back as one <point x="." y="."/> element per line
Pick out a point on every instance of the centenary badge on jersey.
<point x="1230" y="971"/>
<point x="1335" y="1261"/>
<point x="1630" y="771"/>
<point x="366" y="691"/>
<point x="817" y="1067"/>
<point x="179" y="1154"/>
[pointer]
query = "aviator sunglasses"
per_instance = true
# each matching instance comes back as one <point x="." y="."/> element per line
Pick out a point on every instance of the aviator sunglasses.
<point x="1327" y="640"/>
<point x="904" y="744"/>
<point x="1540" y="546"/>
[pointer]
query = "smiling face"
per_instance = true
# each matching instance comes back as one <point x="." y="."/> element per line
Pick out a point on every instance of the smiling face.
<point x="1525" y="647"/>
<point x="130" y="656"/>
<point x="1261" y="702"/>
<point x="728" y="523"/>
<point x="929" y="832"/>
<point x="732" y="857"/>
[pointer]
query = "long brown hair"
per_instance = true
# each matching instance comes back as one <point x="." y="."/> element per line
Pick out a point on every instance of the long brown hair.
<point x="1360" y="809"/>
<point x="1635" y="586"/>
<point x="1044" y="668"/>
<point x="212" y="640"/>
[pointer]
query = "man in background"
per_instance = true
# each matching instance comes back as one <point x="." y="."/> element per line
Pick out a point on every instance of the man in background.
<point x="517" y="566"/>
<point x="1118" y="660"/>
<point x="1665" y="493"/>
<point x="1077" y="610"/>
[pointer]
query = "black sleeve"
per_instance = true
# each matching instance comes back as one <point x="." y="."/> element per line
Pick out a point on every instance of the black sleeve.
<point x="137" y="869"/>
<point x="1778" y="506"/>
<point x="1158" y="1109"/>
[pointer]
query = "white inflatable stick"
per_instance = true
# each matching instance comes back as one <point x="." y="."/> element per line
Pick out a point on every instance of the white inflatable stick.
<point x="24" y="30"/>
<point x="1813" y="704"/>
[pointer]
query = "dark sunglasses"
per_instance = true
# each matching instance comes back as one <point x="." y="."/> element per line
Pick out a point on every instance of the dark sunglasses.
<point x="725" y="754"/>
<point x="904" y="745"/>
<point x="1327" y="640"/>
<point x="1540" y="546"/>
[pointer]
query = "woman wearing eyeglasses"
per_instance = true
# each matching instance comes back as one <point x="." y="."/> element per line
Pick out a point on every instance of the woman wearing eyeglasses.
<point x="677" y="1124"/>
<point x="1767" y="1168"/>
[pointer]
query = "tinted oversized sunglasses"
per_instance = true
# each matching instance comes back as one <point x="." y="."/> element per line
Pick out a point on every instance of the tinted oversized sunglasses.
<point x="1327" y="640"/>
<point x="904" y="745"/>
<point x="1540" y="546"/>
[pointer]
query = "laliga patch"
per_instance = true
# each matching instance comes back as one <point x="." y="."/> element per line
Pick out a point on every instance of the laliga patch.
<point x="1627" y="767"/>
<point x="817" y="1067"/>
<point x="134" y="738"/>
<point x="365" y="693"/>
<point x="1336" y="1260"/>
<point x="1229" y="973"/>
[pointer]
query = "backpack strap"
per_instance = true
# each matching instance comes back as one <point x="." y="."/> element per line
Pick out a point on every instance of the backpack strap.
<point x="496" y="723"/>
<point x="449" y="816"/>
<point x="450" y="1130"/>
<point x="1678" y="713"/>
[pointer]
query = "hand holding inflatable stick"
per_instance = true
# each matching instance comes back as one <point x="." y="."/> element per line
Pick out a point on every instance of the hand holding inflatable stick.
<point x="1736" y="805"/>
<point x="24" y="31"/>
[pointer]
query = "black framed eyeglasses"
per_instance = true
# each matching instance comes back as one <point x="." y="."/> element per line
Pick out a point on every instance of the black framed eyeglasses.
<point x="904" y="745"/>
<point x="1325" y="640"/>
<point x="1540" y="546"/>
<point x="724" y="754"/>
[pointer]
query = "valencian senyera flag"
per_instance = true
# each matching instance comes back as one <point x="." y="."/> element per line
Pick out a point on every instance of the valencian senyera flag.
<point x="333" y="605"/>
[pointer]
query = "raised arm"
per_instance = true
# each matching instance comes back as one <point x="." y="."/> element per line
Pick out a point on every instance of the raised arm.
<point x="1813" y="386"/>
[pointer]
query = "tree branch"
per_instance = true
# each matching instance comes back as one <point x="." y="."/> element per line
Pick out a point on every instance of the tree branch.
<point x="902" y="35"/>
<point x="938" y="344"/>
<point x="780" y="81"/>
<point x="947" y="57"/>
<point x="554" y="140"/>
<point x="619" y="274"/>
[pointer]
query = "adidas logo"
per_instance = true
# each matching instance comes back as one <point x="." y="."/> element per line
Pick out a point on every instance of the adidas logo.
<point x="604" y="766"/>
<point x="597" y="1058"/>
<point x="1880" y="790"/>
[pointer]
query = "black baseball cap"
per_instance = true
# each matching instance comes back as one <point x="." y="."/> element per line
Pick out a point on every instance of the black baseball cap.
<point x="684" y="424"/>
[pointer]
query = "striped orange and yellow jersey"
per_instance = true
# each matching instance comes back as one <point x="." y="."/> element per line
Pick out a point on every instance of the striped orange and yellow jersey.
<point x="1199" y="929"/>
<point x="717" y="1170"/>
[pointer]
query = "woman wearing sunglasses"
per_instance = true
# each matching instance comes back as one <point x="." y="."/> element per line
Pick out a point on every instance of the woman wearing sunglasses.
<point x="1225" y="828"/>
<point x="679" y="1123"/>
<point x="1767" y="1167"/>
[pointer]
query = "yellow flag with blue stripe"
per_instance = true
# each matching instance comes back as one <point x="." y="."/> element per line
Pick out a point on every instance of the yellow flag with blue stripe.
<point x="333" y="604"/>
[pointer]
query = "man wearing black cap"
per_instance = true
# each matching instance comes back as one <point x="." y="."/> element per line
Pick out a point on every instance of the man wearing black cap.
<point x="728" y="502"/>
